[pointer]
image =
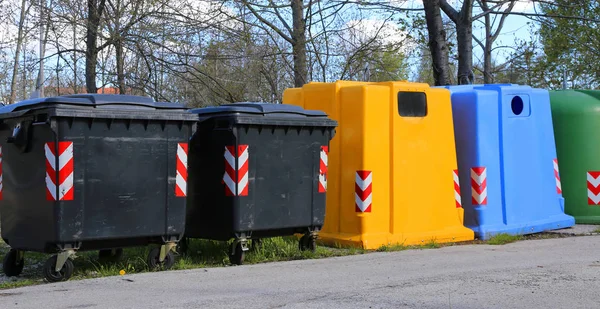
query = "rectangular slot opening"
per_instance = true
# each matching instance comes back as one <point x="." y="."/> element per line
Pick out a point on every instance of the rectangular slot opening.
<point x="412" y="104"/>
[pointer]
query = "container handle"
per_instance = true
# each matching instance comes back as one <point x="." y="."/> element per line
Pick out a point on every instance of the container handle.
<point x="21" y="136"/>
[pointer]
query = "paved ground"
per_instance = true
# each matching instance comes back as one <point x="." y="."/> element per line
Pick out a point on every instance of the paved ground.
<point x="578" y="229"/>
<point x="551" y="273"/>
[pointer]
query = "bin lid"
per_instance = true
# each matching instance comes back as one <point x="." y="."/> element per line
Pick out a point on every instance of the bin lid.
<point x="91" y="101"/>
<point x="256" y="108"/>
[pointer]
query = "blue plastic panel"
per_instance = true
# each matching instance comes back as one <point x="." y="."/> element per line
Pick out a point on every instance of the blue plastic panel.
<point x="505" y="150"/>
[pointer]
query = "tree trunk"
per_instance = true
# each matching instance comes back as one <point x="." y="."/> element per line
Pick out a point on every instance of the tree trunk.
<point x="299" y="44"/>
<point x="75" y="84"/>
<point x="120" y="65"/>
<point x="488" y="78"/>
<point x="13" y="83"/>
<point x="95" y="9"/>
<point x="464" y="33"/>
<point x="438" y="45"/>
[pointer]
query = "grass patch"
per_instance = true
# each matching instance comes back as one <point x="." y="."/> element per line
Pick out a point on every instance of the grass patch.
<point x="597" y="230"/>
<point x="18" y="283"/>
<point x="201" y="254"/>
<point x="502" y="239"/>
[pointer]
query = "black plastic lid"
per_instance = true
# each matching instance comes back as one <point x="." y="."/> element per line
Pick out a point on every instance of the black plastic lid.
<point x="91" y="101"/>
<point x="255" y="108"/>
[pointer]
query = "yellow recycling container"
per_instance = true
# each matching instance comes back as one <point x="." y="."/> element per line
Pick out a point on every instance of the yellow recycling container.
<point x="391" y="176"/>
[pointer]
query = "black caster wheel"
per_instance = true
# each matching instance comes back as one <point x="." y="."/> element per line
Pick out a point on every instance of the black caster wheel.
<point x="238" y="257"/>
<point x="308" y="243"/>
<point x="12" y="264"/>
<point x="154" y="257"/>
<point x="110" y="254"/>
<point x="183" y="245"/>
<point x="63" y="275"/>
<point x="256" y="244"/>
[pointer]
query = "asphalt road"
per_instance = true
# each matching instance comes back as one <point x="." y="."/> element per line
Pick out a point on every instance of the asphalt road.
<point x="551" y="273"/>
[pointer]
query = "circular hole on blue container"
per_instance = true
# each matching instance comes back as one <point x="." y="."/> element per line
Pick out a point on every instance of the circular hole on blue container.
<point x="517" y="105"/>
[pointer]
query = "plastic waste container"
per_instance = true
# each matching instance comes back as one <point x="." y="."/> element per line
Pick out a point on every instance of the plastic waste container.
<point x="507" y="160"/>
<point x="92" y="172"/>
<point x="392" y="163"/>
<point x="257" y="170"/>
<point x="576" y="117"/>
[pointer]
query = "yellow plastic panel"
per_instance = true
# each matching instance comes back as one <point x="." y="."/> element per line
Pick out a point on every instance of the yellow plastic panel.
<point x="409" y="161"/>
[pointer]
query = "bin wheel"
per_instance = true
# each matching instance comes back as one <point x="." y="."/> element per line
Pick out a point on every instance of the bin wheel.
<point x="238" y="257"/>
<point x="12" y="265"/>
<point x="108" y="254"/>
<point x="154" y="259"/>
<point x="308" y="243"/>
<point x="63" y="275"/>
<point x="256" y="244"/>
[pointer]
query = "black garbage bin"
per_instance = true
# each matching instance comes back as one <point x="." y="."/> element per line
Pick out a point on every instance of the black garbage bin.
<point x="257" y="170"/>
<point x="92" y="172"/>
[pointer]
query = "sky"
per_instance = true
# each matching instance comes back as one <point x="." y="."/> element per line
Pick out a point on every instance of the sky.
<point x="514" y="26"/>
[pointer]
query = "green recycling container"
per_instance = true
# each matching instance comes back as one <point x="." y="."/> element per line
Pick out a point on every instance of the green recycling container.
<point x="576" y="119"/>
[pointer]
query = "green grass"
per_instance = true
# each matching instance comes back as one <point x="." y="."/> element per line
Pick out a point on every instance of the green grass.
<point x="502" y="239"/>
<point x="201" y="254"/>
<point x="596" y="230"/>
<point x="19" y="283"/>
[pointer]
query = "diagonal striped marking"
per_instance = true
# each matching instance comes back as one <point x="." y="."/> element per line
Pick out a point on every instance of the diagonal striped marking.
<point x="363" y="205"/>
<point x="480" y="199"/>
<point x="51" y="187"/>
<point x="229" y="158"/>
<point x="230" y="185"/>
<point x="65" y="187"/>
<point x="50" y="158"/>
<point x="593" y="180"/>
<point x="478" y="174"/>
<point x="593" y="199"/>
<point x="181" y="183"/>
<point x="363" y="184"/>
<point x="66" y="155"/>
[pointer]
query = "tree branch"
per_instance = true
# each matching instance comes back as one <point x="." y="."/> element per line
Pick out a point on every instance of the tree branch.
<point x="450" y="11"/>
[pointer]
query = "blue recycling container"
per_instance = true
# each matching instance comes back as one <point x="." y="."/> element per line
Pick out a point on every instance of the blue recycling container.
<point x="507" y="160"/>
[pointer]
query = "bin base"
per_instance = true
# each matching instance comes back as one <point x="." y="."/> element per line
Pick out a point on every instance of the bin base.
<point x="376" y="241"/>
<point x="587" y="219"/>
<point x="486" y="232"/>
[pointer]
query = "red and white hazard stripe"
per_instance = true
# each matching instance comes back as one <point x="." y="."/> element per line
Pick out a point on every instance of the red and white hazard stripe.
<point x="1" y="184"/>
<point x="457" y="198"/>
<point x="59" y="171"/>
<point x="479" y="186"/>
<point x="363" y="191"/>
<point x="182" y="173"/>
<point x="323" y="169"/>
<point x="236" y="175"/>
<point x="557" y="177"/>
<point x="593" y="188"/>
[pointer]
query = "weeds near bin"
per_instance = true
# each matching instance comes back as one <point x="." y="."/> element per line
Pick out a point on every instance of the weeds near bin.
<point x="18" y="283"/>
<point x="597" y="231"/>
<point x="432" y="244"/>
<point x="502" y="239"/>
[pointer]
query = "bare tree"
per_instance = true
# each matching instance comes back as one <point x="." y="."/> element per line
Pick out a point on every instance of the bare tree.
<point x="438" y="45"/>
<point x="490" y="34"/>
<point x="463" y="20"/>
<point x="19" y="45"/>
<point x="95" y="11"/>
